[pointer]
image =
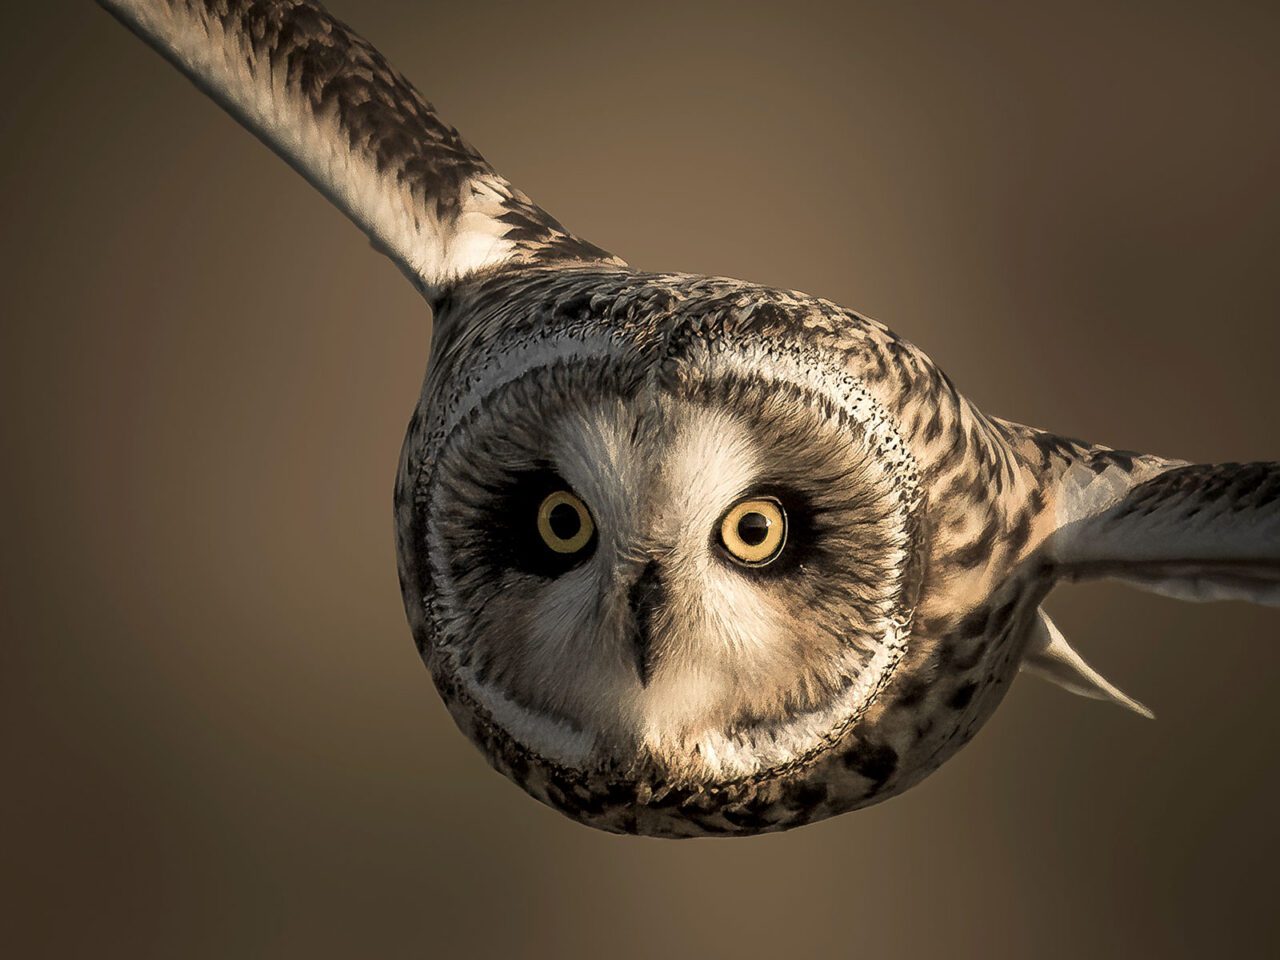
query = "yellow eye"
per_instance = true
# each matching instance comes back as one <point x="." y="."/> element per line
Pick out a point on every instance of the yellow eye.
<point x="754" y="531"/>
<point x="564" y="523"/>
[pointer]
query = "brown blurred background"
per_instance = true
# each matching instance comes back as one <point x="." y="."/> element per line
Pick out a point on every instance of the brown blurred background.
<point x="216" y="736"/>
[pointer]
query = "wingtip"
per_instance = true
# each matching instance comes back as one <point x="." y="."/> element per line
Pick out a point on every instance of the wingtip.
<point x="1135" y="706"/>
<point x="1050" y="656"/>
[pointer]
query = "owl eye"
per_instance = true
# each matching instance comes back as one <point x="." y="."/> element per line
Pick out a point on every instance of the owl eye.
<point x="564" y="523"/>
<point x="754" y="531"/>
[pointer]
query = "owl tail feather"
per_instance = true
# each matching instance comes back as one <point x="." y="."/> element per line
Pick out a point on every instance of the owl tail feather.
<point x="1050" y="656"/>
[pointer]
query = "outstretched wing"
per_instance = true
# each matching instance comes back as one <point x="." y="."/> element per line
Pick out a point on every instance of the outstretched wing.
<point x="329" y="104"/>
<point x="1191" y="531"/>
<point x="1194" y="531"/>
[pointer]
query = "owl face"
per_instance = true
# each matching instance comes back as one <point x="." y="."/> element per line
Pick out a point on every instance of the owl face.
<point x="682" y="568"/>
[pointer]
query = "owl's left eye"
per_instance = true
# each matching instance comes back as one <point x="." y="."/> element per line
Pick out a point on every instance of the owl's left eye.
<point x="564" y="523"/>
<point x="754" y="531"/>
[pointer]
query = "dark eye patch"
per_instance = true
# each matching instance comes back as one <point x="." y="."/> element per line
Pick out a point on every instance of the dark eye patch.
<point x="513" y="540"/>
<point x="803" y="533"/>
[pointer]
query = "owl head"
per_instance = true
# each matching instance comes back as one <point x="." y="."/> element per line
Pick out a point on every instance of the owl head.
<point x="657" y="557"/>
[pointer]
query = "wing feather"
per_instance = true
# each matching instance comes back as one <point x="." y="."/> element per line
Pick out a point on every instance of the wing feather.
<point x="1192" y="531"/>
<point x="328" y="103"/>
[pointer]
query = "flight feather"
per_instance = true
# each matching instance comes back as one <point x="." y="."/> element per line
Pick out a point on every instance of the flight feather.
<point x="327" y="102"/>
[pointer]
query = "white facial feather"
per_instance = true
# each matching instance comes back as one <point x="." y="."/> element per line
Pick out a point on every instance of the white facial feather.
<point x="658" y="475"/>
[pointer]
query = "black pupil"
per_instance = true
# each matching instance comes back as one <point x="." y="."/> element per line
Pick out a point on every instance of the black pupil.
<point x="753" y="528"/>
<point x="564" y="521"/>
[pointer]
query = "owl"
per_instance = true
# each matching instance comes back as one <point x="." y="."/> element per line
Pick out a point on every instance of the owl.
<point x="687" y="555"/>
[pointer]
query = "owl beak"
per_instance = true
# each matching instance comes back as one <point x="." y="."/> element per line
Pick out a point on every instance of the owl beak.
<point x="646" y="595"/>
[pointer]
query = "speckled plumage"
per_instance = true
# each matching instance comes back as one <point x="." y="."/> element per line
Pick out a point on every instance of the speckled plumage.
<point x="935" y="531"/>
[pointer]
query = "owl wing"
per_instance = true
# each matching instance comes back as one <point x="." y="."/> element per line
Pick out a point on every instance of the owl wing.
<point x="329" y="104"/>
<point x="1193" y="531"/>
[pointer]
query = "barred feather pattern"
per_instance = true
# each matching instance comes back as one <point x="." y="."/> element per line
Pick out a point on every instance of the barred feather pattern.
<point x="329" y="103"/>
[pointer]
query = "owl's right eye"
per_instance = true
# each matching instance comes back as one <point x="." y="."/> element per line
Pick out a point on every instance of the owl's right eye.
<point x="536" y="525"/>
<point x="564" y="523"/>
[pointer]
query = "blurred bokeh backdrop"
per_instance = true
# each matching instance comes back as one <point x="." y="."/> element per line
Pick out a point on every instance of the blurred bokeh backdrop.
<point x="216" y="737"/>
